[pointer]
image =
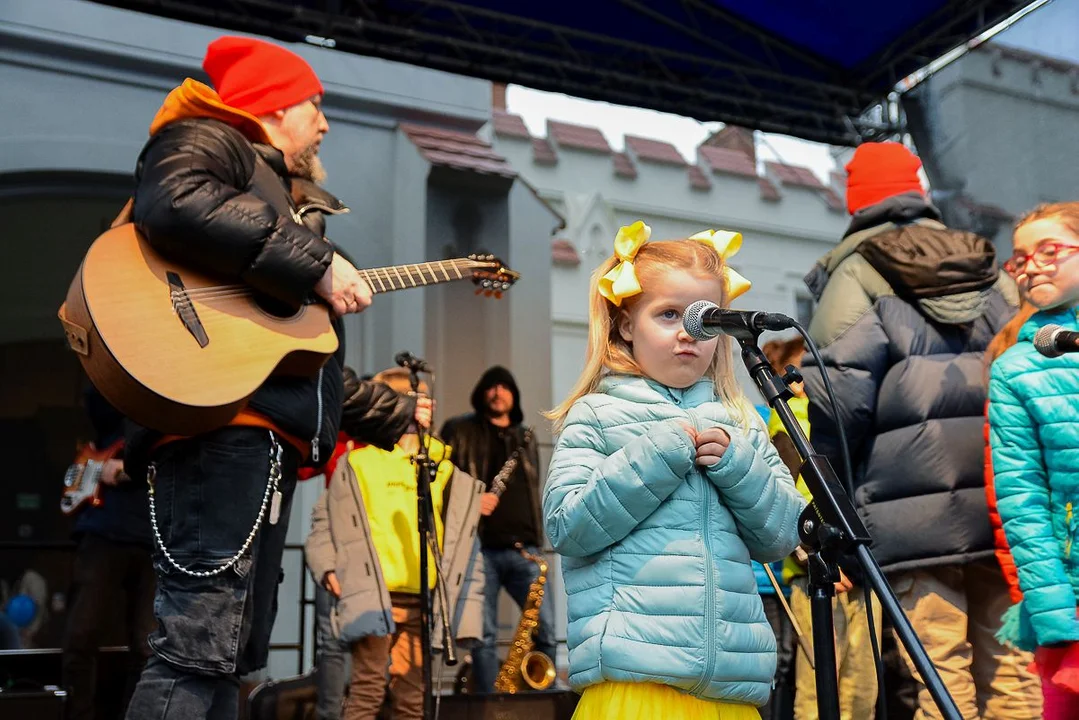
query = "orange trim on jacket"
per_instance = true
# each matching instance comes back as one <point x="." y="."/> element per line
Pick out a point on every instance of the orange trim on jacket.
<point x="193" y="99"/>
<point x="1003" y="550"/>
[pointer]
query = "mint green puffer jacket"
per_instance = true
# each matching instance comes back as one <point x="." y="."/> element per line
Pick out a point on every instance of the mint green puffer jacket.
<point x="656" y="549"/>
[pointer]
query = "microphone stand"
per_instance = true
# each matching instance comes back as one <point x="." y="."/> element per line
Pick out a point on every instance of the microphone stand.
<point x="426" y="470"/>
<point x="831" y="527"/>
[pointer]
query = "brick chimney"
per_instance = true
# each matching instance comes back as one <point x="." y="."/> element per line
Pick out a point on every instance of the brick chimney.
<point x="498" y="96"/>
<point x="733" y="137"/>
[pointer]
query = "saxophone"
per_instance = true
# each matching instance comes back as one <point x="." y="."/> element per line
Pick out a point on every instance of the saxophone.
<point x="523" y="665"/>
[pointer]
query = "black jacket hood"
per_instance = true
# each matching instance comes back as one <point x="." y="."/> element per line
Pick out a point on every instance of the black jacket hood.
<point x="497" y="375"/>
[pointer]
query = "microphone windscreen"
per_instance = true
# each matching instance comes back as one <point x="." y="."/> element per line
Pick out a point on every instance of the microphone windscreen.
<point x="1045" y="341"/>
<point x="693" y="319"/>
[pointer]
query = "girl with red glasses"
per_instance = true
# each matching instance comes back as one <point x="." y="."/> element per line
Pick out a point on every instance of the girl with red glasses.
<point x="1034" y="437"/>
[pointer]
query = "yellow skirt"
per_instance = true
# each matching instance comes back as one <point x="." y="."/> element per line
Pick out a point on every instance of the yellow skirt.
<point x="624" y="701"/>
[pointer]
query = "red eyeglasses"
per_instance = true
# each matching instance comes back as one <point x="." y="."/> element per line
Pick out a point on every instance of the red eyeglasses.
<point x="1045" y="254"/>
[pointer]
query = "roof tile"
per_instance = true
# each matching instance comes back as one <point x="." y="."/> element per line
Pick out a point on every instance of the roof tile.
<point x="451" y="148"/>
<point x="543" y="153"/>
<point x="697" y="179"/>
<point x="577" y="136"/>
<point x="655" y="150"/>
<point x="509" y="125"/>
<point x="623" y="166"/>
<point x="793" y="175"/>
<point x="726" y="160"/>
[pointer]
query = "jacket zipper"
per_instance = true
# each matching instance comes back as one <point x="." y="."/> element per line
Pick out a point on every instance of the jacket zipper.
<point x="1069" y="517"/>
<point x="314" y="205"/>
<point x="318" y="421"/>
<point x="372" y="554"/>
<point x="709" y="587"/>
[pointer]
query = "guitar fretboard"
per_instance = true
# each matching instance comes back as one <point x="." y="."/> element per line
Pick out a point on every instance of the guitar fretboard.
<point x="400" y="277"/>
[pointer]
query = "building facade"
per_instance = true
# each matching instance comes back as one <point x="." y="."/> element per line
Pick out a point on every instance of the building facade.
<point x="787" y="215"/>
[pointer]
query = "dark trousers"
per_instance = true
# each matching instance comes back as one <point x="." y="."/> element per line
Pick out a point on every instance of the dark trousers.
<point x="211" y="630"/>
<point x="112" y="598"/>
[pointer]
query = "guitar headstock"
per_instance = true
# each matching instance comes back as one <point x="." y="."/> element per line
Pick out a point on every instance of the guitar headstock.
<point x="491" y="276"/>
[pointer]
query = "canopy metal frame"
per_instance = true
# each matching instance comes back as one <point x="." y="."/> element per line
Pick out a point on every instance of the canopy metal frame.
<point x="765" y="83"/>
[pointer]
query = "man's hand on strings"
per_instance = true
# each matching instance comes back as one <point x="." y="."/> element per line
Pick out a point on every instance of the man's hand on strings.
<point x="343" y="288"/>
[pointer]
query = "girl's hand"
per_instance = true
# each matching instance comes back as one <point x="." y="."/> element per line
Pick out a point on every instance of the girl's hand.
<point x="711" y="444"/>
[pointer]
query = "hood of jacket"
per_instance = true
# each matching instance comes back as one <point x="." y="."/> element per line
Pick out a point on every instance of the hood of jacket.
<point x="947" y="273"/>
<point x="195" y="100"/>
<point x="497" y="375"/>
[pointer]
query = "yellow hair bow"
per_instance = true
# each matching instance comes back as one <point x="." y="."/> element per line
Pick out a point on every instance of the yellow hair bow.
<point x="726" y="244"/>
<point x="621" y="282"/>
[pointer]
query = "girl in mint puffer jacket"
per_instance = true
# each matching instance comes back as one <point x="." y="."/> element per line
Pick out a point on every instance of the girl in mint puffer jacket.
<point x="1034" y="437"/>
<point x="663" y="486"/>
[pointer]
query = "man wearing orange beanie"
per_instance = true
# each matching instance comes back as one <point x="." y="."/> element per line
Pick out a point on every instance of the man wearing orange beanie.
<point x="906" y="309"/>
<point x="228" y="183"/>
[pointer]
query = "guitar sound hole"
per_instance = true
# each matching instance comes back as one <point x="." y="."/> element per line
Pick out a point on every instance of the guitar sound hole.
<point x="276" y="308"/>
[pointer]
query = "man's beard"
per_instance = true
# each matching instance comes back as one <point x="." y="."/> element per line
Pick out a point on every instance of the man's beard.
<point x="307" y="164"/>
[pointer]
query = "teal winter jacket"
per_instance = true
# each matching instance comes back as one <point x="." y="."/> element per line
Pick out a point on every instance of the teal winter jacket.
<point x="1034" y="437"/>
<point x="657" y="549"/>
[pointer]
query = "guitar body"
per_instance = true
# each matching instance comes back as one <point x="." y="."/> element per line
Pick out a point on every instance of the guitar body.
<point x="82" y="482"/>
<point x="176" y="350"/>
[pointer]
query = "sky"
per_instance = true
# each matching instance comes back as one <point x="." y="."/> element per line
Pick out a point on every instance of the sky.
<point x="1049" y="30"/>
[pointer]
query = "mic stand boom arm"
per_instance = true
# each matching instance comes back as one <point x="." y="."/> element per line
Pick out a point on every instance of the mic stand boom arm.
<point x="831" y="527"/>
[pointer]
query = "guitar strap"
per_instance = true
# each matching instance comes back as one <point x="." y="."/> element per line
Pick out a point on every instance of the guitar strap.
<point x="125" y="214"/>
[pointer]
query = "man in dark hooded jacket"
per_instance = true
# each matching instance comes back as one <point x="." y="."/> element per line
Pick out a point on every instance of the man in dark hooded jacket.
<point x="906" y="308"/>
<point x="482" y="442"/>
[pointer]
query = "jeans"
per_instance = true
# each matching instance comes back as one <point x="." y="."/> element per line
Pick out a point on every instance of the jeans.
<point x="108" y="577"/>
<point x="331" y="661"/>
<point x="211" y="630"/>
<point x="509" y="569"/>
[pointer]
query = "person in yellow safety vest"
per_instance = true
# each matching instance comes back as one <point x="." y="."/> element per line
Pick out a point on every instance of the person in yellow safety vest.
<point x="363" y="547"/>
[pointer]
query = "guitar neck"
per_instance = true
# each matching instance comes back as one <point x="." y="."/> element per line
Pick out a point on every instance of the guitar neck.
<point x="402" y="277"/>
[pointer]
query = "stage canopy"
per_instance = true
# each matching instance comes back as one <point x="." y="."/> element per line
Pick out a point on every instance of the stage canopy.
<point x="808" y="68"/>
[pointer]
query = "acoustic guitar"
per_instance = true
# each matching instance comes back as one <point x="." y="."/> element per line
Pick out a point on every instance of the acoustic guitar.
<point x="82" y="481"/>
<point x="181" y="352"/>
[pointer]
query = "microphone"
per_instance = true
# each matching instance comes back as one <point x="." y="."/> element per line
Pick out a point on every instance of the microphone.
<point x="407" y="360"/>
<point x="1053" y="341"/>
<point x="703" y="320"/>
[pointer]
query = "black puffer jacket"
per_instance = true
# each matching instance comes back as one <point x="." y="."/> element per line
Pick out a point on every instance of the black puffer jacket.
<point x="906" y="309"/>
<point x="208" y="197"/>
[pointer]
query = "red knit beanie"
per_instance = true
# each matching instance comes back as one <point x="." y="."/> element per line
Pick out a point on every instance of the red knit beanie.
<point x="878" y="171"/>
<point x="259" y="77"/>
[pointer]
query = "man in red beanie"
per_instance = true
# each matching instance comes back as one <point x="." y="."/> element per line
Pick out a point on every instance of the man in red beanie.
<point x="228" y="183"/>
<point x="906" y="309"/>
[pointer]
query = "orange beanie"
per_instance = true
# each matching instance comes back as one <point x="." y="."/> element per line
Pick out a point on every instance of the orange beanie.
<point x="878" y="171"/>
<point x="259" y="77"/>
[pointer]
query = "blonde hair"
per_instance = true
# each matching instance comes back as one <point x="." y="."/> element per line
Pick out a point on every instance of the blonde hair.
<point x="609" y="353"/>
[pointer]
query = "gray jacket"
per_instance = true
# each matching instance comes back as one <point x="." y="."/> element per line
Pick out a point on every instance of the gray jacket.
<point x="340" y="541"/>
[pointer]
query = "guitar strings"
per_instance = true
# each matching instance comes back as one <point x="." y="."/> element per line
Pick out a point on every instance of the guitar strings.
<point x="378" y="279"/>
